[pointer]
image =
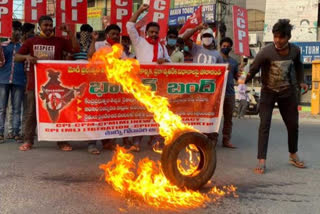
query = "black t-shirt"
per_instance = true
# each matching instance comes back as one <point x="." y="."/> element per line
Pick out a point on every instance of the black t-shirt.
<point x="278" y="72"/>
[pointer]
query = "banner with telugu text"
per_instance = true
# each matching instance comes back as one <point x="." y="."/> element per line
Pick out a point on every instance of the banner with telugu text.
<point x="75" y="102"/>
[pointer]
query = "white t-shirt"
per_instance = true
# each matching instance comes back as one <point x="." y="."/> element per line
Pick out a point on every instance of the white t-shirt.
<point x="143" y="49"/>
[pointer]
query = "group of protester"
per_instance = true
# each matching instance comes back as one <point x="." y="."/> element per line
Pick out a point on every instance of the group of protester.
<point x="21" y="52"/>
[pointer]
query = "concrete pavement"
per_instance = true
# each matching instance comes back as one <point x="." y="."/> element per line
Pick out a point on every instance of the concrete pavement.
<point x="46" y="180"/>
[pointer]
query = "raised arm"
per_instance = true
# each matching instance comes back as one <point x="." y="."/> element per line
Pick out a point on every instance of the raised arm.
<point x="141" y="9"/>
<point x="186" y="36"/>
<point x="92" y="48"/>
<point x="74" y="41"/>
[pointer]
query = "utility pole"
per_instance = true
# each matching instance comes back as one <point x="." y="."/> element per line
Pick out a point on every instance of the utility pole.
<point x="221" y="11"/>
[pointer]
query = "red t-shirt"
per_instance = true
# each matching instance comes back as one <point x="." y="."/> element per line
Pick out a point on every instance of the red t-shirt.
<point x="44" y="49"/>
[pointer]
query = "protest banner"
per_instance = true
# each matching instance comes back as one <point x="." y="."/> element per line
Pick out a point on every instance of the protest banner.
<point x="6" y="10"/>
<point x="121" y="12"/>
<point x="34" y="9"/>
<point x="240" y="31"/>
<point x="75" y="102"/>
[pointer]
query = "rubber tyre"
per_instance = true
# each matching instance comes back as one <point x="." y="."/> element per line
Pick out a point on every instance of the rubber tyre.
<point x="206" y="166"/>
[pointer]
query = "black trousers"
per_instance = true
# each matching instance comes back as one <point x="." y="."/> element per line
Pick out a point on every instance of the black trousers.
<point x="228" y="106"/>
<point x="288" y="106"/>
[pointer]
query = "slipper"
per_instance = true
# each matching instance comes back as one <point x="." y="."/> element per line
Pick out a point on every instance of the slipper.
<point x="64" y="146"/>
<point x="25" y="147"/>
<point x="297" y="163"/>
<point x="229" y="145"/>
<point x="92" y="149"/>
<point x="260" y="169"/>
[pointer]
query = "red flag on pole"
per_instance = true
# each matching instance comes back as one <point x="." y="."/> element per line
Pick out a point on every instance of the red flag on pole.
<point x="34" y="9"/>
<point x="158" y="12"/>
<point x="76" y="11"/>
<point x="6" y="10"/>
<point x="240" y="29"/>
<point x="192" y="22"/>
<point x="121" y="12"/>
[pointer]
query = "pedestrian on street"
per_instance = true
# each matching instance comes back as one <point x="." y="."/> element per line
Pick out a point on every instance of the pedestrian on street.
<point x="46" y="46"/>
<point x="282" y="74"/>
<point x="243" y="97"/>
<point x="229" y="99"/>
<point x="12" y="82"/>
<point x="147" y="50"/>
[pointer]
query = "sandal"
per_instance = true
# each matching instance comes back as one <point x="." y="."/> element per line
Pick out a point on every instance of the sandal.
<point x="64" y="146"/>
<point x="92" y="149"/>
<point x="25" y="147"/>
<point x="260" y="169"/>
<point x="296" y="162"/>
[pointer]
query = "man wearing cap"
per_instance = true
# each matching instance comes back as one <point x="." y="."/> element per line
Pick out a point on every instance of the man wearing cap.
<point x="205" y="53"/>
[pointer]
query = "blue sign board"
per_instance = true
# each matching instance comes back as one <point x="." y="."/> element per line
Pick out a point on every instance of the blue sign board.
<point x="178" y="16"/>
<point x="309" y="51"/>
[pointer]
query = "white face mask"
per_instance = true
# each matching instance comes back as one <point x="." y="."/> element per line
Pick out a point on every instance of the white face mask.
<point x="207" y="41"/>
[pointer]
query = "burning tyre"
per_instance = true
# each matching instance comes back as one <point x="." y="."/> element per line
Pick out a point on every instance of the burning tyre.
<point x="204" y="169"/>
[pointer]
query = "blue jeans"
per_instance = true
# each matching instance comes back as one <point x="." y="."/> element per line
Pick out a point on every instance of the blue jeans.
<point x="16" y="92"/>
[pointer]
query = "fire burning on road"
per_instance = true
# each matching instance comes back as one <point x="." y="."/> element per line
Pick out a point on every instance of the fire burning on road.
<point x="147" y="181"/>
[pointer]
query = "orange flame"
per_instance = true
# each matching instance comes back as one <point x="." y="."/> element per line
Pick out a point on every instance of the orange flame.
<point x="148" y="183"/>
<point x="125" y="72"/>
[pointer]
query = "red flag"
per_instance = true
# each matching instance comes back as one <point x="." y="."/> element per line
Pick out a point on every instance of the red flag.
<point x="61" y="18"/>
<point x="34" y="9"/>
<point x="76" y="11"/>
<point x="192" y="22"/>
<point x="240" y="29"/>
<point x="121" y="11"/>
<point x="158" y="12"/>
<point x="6" y="19"/>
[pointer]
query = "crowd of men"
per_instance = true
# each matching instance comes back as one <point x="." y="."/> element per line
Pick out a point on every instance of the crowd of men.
<point x="21" y="52"/>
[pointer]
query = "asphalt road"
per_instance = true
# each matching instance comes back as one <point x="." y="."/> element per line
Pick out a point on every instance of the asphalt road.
<point x="46" y="180"/>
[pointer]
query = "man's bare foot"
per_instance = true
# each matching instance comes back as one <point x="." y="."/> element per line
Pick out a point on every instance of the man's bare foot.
<point x="261" y="167"/>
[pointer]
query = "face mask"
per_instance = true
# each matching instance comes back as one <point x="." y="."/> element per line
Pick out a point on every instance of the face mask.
<point x="282" y="48"/>
<point x="186" y="49"/>
<point x="42" y="34"/>
<point x="207" y="41"/>
<point x="172" y="42"/>
<point x="225" y="51"/>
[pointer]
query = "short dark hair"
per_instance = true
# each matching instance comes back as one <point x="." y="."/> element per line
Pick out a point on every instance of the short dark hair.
<point x="44" y="18"/>
<point x="16" y="25"/>
<point x="26" y="27"/>
<point x="173" y="31"/>
<point x="87" y="28"/>
<point x="112" y="27"/>
<point x="226" y="39"/>
<point x="283" y="27"/>
<point x="152" y="24"/>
